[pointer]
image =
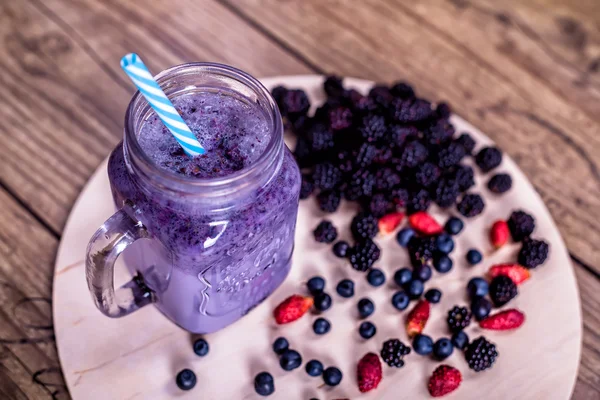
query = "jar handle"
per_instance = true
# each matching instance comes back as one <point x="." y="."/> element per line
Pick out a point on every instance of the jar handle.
<point x="109" y="241"/>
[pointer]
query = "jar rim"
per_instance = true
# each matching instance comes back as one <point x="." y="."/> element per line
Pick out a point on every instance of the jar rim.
<point x="140" y="162"/>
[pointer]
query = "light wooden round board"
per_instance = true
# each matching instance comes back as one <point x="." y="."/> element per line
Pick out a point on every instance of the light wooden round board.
<point x="138" y="356"/>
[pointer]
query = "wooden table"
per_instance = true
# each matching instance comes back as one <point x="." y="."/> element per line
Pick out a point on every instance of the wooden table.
<point x="525" y="72"/>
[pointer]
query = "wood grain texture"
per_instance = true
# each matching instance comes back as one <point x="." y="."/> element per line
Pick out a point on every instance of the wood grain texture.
<point x="546" y="133"/>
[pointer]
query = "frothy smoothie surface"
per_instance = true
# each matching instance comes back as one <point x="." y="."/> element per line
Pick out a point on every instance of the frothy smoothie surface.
<point x="233" y="132"/>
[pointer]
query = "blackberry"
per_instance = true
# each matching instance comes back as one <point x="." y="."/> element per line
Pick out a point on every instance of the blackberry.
<point x="399" y="196"/>
<point x="325" y="232"/>
<point x="303" y="153"/>
<point x="373" y="127"/>
<point x="500" y="183"/>
<point x="502" y="290"/>
<point x="471" y="205"/>
<point x="306" y="187"/>
<point x="400" y="134"/>
<point x="345" y="161"/>
<point x="413" y="154"/>
<point x="326" y="176"/>
<point x="319" y="137"/>
<point x="360" y="185"/>
<point x="488" y="158"/>
<point x="402" y="90"/>
<point x="386" y="179"/>
<point x="421" y="249"/>
<point x="464" y="176"/>
<point x="363" y="254"/>
<point x="329" y="200"/>
<point x="427" y="174"/>
<point x="481" y="354"/>
<point x="278" y="92"/>
<point x="365" y="155"/>
<point x="418" y="201"/>
<point x="446" y="192"/>
<point x="363" y="104"/>
<point x="381" y="95"/>
<point x="450" y="156"/>
<point x="443" y="110"/>
<point x="438" y="133"/>
<point x="364" y="226"/>
<point x="521" y="225"/>
<point x="458" y="318"/>
<point x="467" y="142"/>
<point x="393" y="352"/>
<point x="383" y="155"/>
<point x="294" y="103"/>
<point x="333" y="86"/>
<point x="379" y="205"/>
<point x="410" y="110"/>
<point x="533" y="253"/>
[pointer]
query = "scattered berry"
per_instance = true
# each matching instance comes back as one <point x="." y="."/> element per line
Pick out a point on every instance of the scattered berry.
<point x="393" y="352"/>
<point x="450" y="156"/>
<point x="477" y="287"/>
<point x="422" y="272"/>
<point x="402" y="276"/>
<point x="504" y="320"/>
<point x="367" y="330"/>
<point x="464" y="176"/>
<point x="480" y="308"/>
<point x="321" y="326"/>
<point x="417" y="318"/>
<point x="422" y="344"/>
<point x="280" y="345"/>
<point x="290" y="359"/>
<point x="488" y="158"/>
<point x="292" y="308"/>
<point x="306" y="187"/>
<point x="454" y="226"/>
<point x="433" y="296"/>
<point x="345" y="288"/>
<point x="314" y="368"/>
<point x="375" y="277"/>
<point x="368" y="372"/>
<point x="418" y="200"/>
<point x="471" y="205"/>
<point x="421" y="250"/>
<point x="332" y="376"/>
<point x="389" y="222"/>
<point x="533" y="253"/>
<point x="442" y="263"/>
<point x="264" y="384"/>
<point x="460" y="340"/>
<point x="500" y="183"/>
<point x="400" y="300"/>
<point x="444" y="243"/>
<point x="322" y="301"/>
<point x="185" y="379"/>
<point x="315" y="285"/>
<point x="415" y="289"/>
<point x="363" y="254"/>
<point x="467" y="142"/>
<point x="404" y="236"/>
<point x="446" y="192"/>
<point x="364" y="226"/>
<point x="402" y="90"/>
<point x="458" y="318"/>
<point x="340" y="249"/>
<point x="515" y="272"/>
<point x="201" y="347"/>
<point x="442" y="349"/>
<point x="474" y="257"/>
<point x="379" y="205"/>
<point x="521" y="225"/>
<point x="424" y="223"/>
<point x="499" y="234"/>
<point x="329" y="200"/>
<point x="325" y="232"/>
<point x="502" y="290"/>
<point x="445" y="379"/>
<point x="481" y="354"/>
<point x="365" y="307"/>
<point x="427" y="174"/>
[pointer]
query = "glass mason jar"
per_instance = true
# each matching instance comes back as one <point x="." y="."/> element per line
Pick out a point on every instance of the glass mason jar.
<point x="206" y="250"/>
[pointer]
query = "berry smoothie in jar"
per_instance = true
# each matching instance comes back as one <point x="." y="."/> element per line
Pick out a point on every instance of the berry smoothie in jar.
<point x="209" y="237"/>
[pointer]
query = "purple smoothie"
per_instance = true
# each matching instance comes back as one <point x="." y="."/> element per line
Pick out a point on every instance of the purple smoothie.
<point x="210" y="259"/>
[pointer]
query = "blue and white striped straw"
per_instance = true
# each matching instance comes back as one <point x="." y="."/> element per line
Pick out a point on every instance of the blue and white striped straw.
<point x="137" y="71"/>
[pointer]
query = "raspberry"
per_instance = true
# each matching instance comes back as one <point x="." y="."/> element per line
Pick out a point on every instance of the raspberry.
<point x="438" y="133"/>
<point x="446" y="192"/>
<point x="364" y="226"/>
<point x="418" y="201"/>
<point x="386" y="179"/>
<point x="373" y="127"/>
<point x="319" y="137"/>
<point x="533" y="253"/>
<point x="325" y="232"/>
<point x="306" y="187"/>
<point x="481" y="354"/>
<point x="360" y="185"/>
<point x="363" y="254"/>
<point x="366" y="154"/>
<point x="402" y="90"/>
<point x="326" y="176"/>
<point x="379" y="205"/>
<point x="471" y="205"/>
<point x="393" y="352"/>
<point x="502" y="290"/>
<point x="521" y="225"/>
<point x="413" y="154"/>
<point x="488" y="158"/>
<point x="427" y="174"/>
<point x="399" y="134"/>
<point x="467" y="142"/>
<point x="464" y="176"/>
<point x="329" y="200"/>
<point x="500" y="183"/>
<point x="410" y="110"/>
<point x="458" y="318"/>
<point x="333" y="86"/>
<point x="450" y="156"/>
<point x="340" y="118"/>
<point x="443" y="110"/>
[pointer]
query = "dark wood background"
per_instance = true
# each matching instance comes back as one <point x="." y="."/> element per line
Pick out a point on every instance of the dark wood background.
<point x="525" y="72"/>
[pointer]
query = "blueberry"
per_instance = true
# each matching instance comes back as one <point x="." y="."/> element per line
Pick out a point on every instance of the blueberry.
<point x="422" y="272"/>
<point x="365" y="307"/>
<point x="422" y="344"/>
<point x="186" y="379"/>
<point x="340" y="249"/>
<point x="454" y="226"/>
<point x="400" y="300"/>
<point x="442" y="264"/>
<point x="345" y="288"/>
<point x="264" y="384"/>
<point x="201" y="347"/>
<point x="442" y="349"/>
<point x="376" y="277"/>
<point x="415" y="289"/>
<point x="402" y="276"/>
<point x="321" y="326"/>
<point x="480" y="308"/>
<point x="404" y="236"/>
<point x="280" y="345"/>
<point x="290" y="359"/>
<point x="433" y="296"/>
<point x="477" y="287"/>
<point x="474" y="257"/>
<point x="315" y="285"/>
<point x="444" y="243"/>
<point x="322" y="301"/>
<point x="367" y="330"/>
<point x="460" y="340"/>
<point x="314" y="368"/>
<point x="332" y="376"/>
